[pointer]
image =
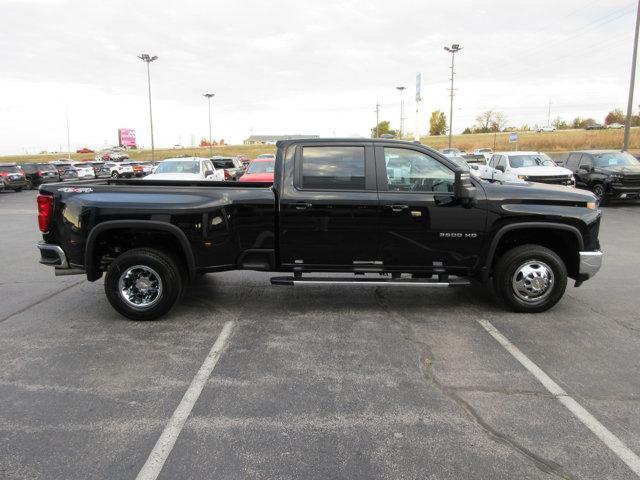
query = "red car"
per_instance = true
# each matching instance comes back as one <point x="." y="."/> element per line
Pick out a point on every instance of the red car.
<point x="260" y="170"/>
<point x="84" y="150"/>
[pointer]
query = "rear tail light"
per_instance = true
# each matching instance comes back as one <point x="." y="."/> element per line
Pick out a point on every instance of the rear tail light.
<point x="227" y="175"/>
<point x="45" y="212"/>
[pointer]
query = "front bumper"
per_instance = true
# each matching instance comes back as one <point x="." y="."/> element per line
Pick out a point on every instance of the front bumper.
<point x="623" y="192"/>
<point x="590" y="263"/>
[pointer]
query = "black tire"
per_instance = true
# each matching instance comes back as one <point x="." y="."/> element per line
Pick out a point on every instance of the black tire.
<point x="30" y="185"/>
<point x="19" y="189"/>
<point x="540" y="259"/>
<point x="168" y="270"/>
<point x="600" y="192"/>
<point x="115" y="175"/>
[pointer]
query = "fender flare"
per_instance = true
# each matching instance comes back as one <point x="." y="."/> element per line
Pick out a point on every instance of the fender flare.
<point x="93" y="272"/>
<point x="526" y="225"/>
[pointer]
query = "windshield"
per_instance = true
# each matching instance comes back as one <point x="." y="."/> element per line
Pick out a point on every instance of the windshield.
<point x="223" y="163"/>
<point x="45" y="167"/>
<point x="9" y="169"/>
<point x="532" y="160"/>
<point x="185" y="166"/>
<point x="261" y="167"/>
<point x="615" y="159"/>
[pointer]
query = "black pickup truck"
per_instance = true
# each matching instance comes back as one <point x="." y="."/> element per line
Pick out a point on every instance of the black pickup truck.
<point x="387" y="212"/>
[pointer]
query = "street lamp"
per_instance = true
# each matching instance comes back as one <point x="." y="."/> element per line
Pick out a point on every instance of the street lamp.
<point x="634" y="59"/>
<point x="148" y="59"/>
<point x="401" y="90"/>
<point x="209" y="96"/>
<point x="453" y="49"/>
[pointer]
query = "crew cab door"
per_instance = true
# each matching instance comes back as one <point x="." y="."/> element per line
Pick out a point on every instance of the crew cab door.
<point x="423" y="227"/>
<point x="583" y="173"/>
<point x="329" y="210"/>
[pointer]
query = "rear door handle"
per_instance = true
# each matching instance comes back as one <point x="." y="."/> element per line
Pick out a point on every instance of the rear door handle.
<point x="303" y="205"/>
<point x="397" y="207"/>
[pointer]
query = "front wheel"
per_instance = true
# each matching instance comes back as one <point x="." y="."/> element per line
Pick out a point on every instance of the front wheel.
<point x="114" y="175"/>
<point x="143" y="283"/>
<point x="19" y="189"/>
<point x="599" y="191"/>
<point x="530" y="278"/>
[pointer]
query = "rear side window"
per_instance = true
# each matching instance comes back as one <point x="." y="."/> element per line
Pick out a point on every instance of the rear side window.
<point x="224" y="163"/>
<point x="333" y="168"/>
<point x="29" y="168"/>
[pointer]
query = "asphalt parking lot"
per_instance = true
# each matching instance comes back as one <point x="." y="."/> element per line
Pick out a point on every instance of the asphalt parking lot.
<point x="315" y="382"/>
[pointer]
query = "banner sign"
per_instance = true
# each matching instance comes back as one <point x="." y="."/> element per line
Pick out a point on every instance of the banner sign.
<point x="127" y="137"/>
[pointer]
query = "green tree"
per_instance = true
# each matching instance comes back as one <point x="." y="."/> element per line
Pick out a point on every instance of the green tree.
<point x="614" y="116"/>
<point x="437" y="123"/>
<point x="381" y="129"/>
<point x="559" y="123"/>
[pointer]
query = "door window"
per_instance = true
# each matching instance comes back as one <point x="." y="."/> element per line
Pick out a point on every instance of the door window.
<point x="572" y="161"/>
<point x="502" y="162"/>
<point x="410" y="170"/>
<point x="586" y="162"/>
<point x="333" y="168"/>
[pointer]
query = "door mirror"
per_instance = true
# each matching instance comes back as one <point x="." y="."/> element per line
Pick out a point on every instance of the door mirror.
<point x="586" y="168"/>
<point x="463" y="188"/>
<point x="208" y="173"/>
<point x="500" y="168"/>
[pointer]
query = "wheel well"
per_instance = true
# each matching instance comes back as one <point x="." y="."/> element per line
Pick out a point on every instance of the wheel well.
<point x="563" y="242"/>
<point x="114" y="242"/>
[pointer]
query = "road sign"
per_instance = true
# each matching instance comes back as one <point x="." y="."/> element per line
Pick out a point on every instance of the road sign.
<point x="513" y="137"/>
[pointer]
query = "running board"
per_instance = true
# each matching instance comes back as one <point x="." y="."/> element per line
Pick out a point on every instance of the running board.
<point x="396" y="282"/>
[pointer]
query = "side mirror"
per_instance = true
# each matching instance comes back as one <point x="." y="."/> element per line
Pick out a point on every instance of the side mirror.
<point x="208" y="173"/>
<point x="500" y="168"/>
<point x="586" y="168"/>
<point x="463" y="188"/>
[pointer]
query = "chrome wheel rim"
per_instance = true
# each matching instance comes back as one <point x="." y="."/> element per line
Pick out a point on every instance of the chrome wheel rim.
<point x="140" y="287"/>
<point x="598" y="190"/>
<point x="533" y="281"/>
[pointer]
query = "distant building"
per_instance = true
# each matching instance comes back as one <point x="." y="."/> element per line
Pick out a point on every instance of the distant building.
<point x="272" y="139"/>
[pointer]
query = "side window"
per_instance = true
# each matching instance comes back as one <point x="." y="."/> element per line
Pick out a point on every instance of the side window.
<point x="333" y="168"/>
<point x="572" y="161"/>
<point x="502" y="162"/>
<point x="493" y="160"/>
<point x="586" y="161"/>
<point x="409" y="170"/>
<point x="208" y="166"/>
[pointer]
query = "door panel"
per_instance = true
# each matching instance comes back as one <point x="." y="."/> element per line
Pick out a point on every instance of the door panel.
<point x="329" y="213"/>
<point x="422" y="226"/>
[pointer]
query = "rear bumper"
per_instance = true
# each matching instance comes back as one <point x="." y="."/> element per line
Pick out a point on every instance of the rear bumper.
<point x="52" y="255"/>
<point x="590" y="263"/>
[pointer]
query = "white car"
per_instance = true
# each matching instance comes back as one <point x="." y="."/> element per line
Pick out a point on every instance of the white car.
<point x="615" y="125"/>
<point x="525" y="167"/>
<point x="547" y="128"/>
<point x="119" y="169"/>
<point x="84" y="170"/>
<point x="188" y="168"/>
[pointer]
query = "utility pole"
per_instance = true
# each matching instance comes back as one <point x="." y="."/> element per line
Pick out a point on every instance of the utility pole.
<point x="148" y="59"/>
<point x="627" y="125"/>
<point x="209" y="97"/>
<point x="377" y="119"/>
<point x="549" y="115"/>
<point x="401" y="90"/>
<point x="455" y="48"/>
<point x="416" y="135"/>
<point x="68" y="142"/>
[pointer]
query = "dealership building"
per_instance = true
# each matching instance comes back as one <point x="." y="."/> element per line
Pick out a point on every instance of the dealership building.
<point x="270" y="139"/>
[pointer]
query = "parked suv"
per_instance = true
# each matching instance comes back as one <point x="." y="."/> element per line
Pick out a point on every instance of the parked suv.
<point x="525" y="166"/>
<point x="65" y="170"/>
<point x="12" y="177"/>
<point x="119" y="170"/>
<point x="39" y="173"/>
<point x="233" y="168"/>
<point x="610" y="174"/>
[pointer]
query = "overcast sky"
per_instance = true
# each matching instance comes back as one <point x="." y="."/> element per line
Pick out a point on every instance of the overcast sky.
<point x="284" y="67"/>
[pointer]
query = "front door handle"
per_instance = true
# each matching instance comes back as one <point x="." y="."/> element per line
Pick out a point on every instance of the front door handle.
<point x="397" y="208"/>
<point x="303" y="205"/>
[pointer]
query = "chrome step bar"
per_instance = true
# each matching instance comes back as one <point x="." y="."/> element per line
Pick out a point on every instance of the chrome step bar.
<point x="395" y="282"/>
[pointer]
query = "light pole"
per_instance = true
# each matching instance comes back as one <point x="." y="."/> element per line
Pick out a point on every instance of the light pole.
<point x="401" y="90"/>
<point x="148" y="59"/>
<point x="453" y="49"/>
<point x="627" y="125"/>
<point x="209" y="97"/>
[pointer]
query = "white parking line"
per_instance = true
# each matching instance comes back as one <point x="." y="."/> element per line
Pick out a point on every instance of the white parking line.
<point x="610" y="440"/>
<point x="167" y="440"/>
